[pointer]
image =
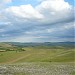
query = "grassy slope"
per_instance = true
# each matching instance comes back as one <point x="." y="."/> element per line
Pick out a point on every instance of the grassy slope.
<point x="4" y="45"/>
<point x="38" y="61"/>
<point x="50" y="56"/>
<point x="37" y="55"/>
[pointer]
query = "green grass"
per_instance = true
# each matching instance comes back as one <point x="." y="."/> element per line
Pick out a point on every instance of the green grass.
<point x="32" y="54"/>
<point x="73" y="73"/>
<point x="38" y="61"/>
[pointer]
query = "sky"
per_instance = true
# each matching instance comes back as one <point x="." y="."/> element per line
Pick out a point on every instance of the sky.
<point x="37" y="20"/>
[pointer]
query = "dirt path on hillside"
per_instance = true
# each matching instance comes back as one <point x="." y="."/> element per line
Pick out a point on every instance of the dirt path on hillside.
<point x="22" y="57"/>
<point x="17" y="59"/>
<point x="59" y="54"/>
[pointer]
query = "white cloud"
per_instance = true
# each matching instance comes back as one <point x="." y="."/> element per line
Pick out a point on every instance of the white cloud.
<point x="55" y="5"/>
<point x="53" y="10"/>
<point x="37" y="21"/>
<point x="47" y="12"/>
<point x="24" y="11"/>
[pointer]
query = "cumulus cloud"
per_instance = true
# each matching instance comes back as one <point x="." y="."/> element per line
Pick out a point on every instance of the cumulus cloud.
<point x="47" y="12"/>
<point x="55" y="5"/>
<point x="46" y="21"/>
<point x="53" y="10"/>
<point x="24" y="11"/>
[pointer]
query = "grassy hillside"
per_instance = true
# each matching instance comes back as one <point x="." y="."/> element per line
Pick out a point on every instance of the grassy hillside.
<point x="32" y="54"/>
<point x="4" y="45"/>
<point x="40" y="59"/>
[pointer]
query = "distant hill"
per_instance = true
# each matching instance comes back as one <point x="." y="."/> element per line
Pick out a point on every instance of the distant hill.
<point x="50" y="44"/>
<point x="5" y="45"/>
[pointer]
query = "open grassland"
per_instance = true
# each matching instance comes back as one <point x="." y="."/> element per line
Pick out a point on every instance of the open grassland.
<point x="37" y="55"/>
<point x="38" y="61"/>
